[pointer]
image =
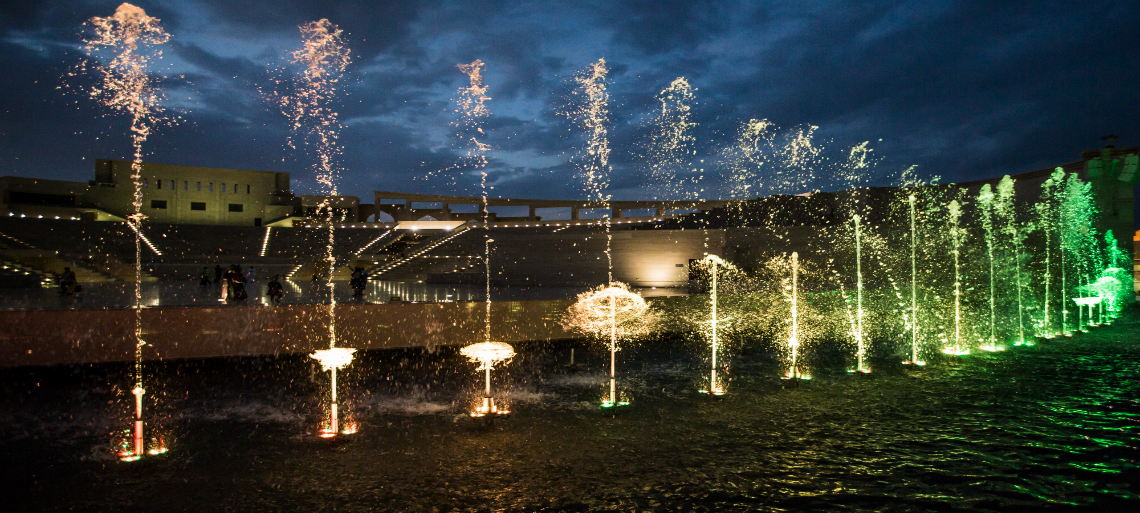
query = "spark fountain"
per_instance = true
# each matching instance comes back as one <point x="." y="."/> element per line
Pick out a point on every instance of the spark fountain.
<point x="913" y="289"/>
<point x="122" y="51"/>
<point x="612" y="313"/>
<point x="322" y="59"/>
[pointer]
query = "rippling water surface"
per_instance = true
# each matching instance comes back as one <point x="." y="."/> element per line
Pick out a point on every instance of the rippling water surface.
<point x="1048" y="427"/>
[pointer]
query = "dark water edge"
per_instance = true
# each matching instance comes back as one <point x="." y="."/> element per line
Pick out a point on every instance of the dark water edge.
<point x="1052" y="427"/>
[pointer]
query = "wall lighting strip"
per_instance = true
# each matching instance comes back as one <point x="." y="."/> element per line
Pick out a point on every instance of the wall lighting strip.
<point x="422" y="251"/>
<point x="144" y="239"/>
<point x="374" y="241"/>
<point x="265" y="243"/>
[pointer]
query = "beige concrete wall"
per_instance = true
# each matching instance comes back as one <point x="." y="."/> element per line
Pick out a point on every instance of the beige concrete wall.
<point x="642" y="258"/>
<point x="92" y="336"/>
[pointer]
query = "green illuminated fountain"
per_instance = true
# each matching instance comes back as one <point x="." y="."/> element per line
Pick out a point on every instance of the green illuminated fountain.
<point x="954" y="211"/>
<point x="1007" y="216"/>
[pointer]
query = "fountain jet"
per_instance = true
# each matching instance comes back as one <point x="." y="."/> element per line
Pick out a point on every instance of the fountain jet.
<point x="322" y="59"/>
<point x="794" y="337"/>
<point x="615" y="313"/>
<point x="331" y="360"/>
<point x="955" y="211"/>
<point x="129" y="41"/>
<point x="714" y="262"/>
<point x="913" y="289"/>
<point x="487" y="354"/>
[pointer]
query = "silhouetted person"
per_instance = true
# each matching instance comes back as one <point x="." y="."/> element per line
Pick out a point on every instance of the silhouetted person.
<point x="67" y="282"/>
<point x="359" y="281"/>
<point x="274" y="290"/>
<point x="217" y="273"/>
<point x="236" y="282"/>
<point x="204" y="276"/>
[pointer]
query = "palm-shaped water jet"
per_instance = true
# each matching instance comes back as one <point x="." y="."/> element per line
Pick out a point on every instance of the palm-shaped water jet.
<point x="615" y="313"/>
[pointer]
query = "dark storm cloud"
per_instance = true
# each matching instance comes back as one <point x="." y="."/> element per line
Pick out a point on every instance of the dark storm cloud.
<point x="963" y="89"/>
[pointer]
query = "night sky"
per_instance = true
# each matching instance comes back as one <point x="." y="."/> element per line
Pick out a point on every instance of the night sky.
<point x="963" y="90"/>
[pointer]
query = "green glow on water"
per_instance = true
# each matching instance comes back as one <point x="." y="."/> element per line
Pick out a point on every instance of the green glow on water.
<point x="1095" y="467"/>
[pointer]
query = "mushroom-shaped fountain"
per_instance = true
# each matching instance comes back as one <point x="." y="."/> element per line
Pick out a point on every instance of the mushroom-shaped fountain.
<point x="613" y="312"/>
<point x="332" y="359"/>
<point x="487" y="354"/>
<point x="1083" y="302"/>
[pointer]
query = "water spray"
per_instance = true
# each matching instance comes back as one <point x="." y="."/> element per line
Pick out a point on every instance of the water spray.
<point x="129" y="40"/>
<point x="860" y="348"/>
<point x="611" y="313"/>
<point x="331" y="360"/>
<point x="913" y="290"/>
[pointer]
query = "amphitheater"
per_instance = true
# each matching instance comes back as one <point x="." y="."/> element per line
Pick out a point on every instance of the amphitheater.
<point x="46" y="225"/>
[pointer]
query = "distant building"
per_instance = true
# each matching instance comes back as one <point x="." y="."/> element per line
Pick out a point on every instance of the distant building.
<point x="170" y="194"/>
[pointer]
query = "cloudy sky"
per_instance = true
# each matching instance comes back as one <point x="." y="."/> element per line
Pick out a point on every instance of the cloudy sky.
<point x="960" y="89"/>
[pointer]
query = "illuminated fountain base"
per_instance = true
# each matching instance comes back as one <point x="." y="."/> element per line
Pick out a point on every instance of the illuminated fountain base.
<point x="329" y="431"/>
<point x="716" y="392"/>
<point x="133" y="446"/>
<point x="488" y="409"/>
<point x="331" y="360"/>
